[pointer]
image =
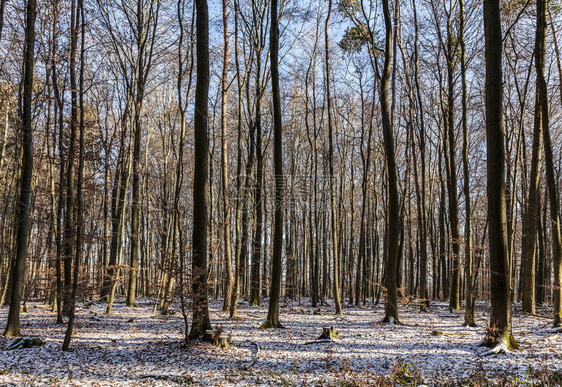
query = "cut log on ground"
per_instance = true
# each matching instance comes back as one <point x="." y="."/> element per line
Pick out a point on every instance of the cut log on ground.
<point x="21" y="342"/>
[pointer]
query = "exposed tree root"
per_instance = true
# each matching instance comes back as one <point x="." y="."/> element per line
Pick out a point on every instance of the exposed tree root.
<point x="498" y="342"/>
<point x="321" y="341"/>
<point x="501" y="347"/>
<point x="390" y="320"/>
<point x="554" y="330"/>
<point x="271" y="325"/>
<point x="255" y="358"/>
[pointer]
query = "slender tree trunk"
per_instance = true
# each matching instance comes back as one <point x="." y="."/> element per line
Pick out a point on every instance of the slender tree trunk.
<point x="541" y="261"/>
<point x="146" y="20"/>
<point x="555" y="224"/>
<point x="258" y="196"/>
<point x="469" y="305"/>
<point x="59" y="118"/>
<point x="233" y="302"/>
<point x="335" y="242"/>
<point x="79" y="214"/>
<point x="69" y="237"/>
<point x="224" y="161"/>
<point x="135" y="208"/>
<point x="532" y="206"/>
<point x="442" y="231"/>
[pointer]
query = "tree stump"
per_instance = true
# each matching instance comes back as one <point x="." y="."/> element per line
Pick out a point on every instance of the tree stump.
<point x="214" y="337"/>
<point x="223" y="342"/>
<point x="328" y="334"/>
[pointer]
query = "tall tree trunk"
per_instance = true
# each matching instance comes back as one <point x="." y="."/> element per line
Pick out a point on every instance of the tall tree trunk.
<point x="391" y="304"/>
<point x="59" y="118"/>
<point x="335" y="243"/>
<point x="182" y="106"/>
<point x="272" y="320"/>
<point x="469" y="305"/>
<point x="24" y="200"/>
<point x="135" y="207"/>
<point x="69" y="221"/>
<point x="454" y="297"/>
<point x="79" y="201"/>
<point x="499" y="331"/>
<point x="554" y="199"/>
<point x="201" y="321"/>
<point x="530" y="219"/>
<point x="443" y="246"/>
<point x="224" y="162"/>
<point x="258" y="196"/>
<point x="233" y="302"/>
<point x="146" y="21"/>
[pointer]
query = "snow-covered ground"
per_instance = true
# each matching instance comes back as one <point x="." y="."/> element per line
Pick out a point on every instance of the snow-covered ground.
<point x="137" y="347"/>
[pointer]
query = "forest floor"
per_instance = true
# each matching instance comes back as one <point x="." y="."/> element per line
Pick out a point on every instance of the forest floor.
<point x="137" y="347"/>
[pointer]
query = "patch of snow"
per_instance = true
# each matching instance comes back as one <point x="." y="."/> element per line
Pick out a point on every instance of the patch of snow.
<point x="135" y="347"/>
